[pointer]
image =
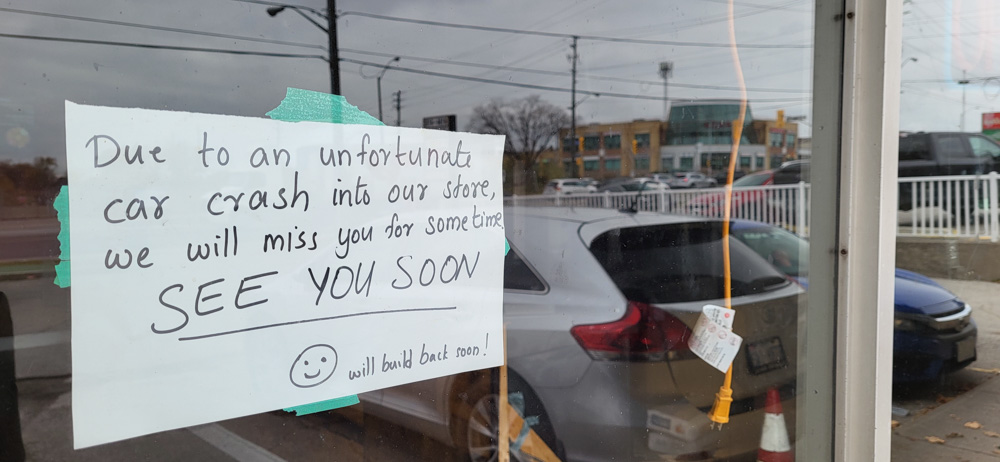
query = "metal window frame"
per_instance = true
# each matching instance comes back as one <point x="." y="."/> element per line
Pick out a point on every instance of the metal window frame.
<point x="846" y="371"/>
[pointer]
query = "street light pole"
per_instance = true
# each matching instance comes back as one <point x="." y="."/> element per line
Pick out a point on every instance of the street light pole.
<point x="331" y="17"/>
<point x="666" y="70"/>
<point x="964" y="82"/>
<point x="574" y="172"/>
<point x="331" y="32"/>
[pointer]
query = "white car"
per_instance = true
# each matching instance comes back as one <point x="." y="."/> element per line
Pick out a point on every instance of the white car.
<point x="567" y="186"/>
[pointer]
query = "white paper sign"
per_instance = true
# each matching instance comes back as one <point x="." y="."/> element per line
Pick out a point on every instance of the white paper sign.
<point x="713" y="340"/>
<point x="225" y="266"/>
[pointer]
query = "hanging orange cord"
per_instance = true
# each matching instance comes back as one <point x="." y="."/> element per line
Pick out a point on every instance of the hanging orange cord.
<point x="720" y="409"/>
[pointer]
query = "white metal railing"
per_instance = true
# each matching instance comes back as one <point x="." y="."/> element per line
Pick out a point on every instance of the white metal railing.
<point x="943" y="206"/>
<point x="951" y="206"/>
<point x="784" y="205"/>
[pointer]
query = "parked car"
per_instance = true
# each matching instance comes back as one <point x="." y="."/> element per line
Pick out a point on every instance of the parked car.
<point x="934" y="331"/>
<point x="925" y="154"/>
<point x="567" y="186"/>
<point x="599" y="306"/>
<point x="747" y="200"/>
<point x="635" y="184"/>
<point x="721" y="176"/>
<point x="946" y="153"/>
<point x="685" y="180"/>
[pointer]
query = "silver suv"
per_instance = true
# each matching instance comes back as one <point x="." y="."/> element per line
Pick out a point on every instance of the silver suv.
<point x="599" y="306"/>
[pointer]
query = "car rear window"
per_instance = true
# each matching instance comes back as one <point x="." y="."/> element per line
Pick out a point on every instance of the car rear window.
<point x="680" y="263"/>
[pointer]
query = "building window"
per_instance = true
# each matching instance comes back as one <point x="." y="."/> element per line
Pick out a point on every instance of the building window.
<point x="687" y="163"/>
<point x="642" y="163"/>
<point x="612" y="141"/>
<point x="760" y="162"/>
<point x="790" y="140"/>
<point x="591" y="165"/>
<point x="613" y="165"/>
<point x="745" y="161"/>
<point x="642" y="140"/>
<point x="591" y="142"/>
<point x="568" y="144"/>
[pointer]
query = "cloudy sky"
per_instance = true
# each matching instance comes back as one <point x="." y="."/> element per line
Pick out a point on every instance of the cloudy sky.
<point x="942" y="37"/>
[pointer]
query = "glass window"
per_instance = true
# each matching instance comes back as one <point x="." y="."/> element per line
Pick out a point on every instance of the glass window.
<point x="517" y="275"/>
<point x="569" y="144"/>
<point x="599" y="294"/>
<point x="687" y="163"/>
<point x="668" y="264"/>
<point x="914" y="147"/>
<point x="642" y="163"/>
<point x="951" y="146"/>
<point x="984" y="147"/>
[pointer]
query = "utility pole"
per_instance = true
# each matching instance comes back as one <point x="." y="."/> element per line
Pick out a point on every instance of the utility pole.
<point x="572" y="113"/>
<point x="331" y="16"/>
<point x="964" y="83"/>
<point x="397" y="98"/>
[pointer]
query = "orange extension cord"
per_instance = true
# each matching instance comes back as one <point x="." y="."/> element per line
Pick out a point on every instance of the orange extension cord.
<point x="720" y="409"/>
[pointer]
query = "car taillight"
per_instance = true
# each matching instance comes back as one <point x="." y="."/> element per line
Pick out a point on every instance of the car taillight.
<point x="644" y="333"/>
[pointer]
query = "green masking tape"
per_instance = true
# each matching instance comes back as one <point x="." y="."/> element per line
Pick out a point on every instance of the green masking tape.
<point x="61" y="205"/>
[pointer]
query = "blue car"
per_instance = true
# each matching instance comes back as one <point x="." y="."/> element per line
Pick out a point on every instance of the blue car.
<point x="934" y="332"/>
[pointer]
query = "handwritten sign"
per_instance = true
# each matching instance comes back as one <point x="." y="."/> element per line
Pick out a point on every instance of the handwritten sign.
<point x="225" y="266"/>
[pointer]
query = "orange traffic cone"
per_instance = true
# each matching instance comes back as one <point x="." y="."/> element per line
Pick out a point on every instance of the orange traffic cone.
<point x="774" y="445"/>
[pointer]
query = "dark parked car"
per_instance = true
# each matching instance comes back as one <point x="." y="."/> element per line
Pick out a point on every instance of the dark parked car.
<point x="599" y="306"/>
<point x="931" y="154"/>
<point x="934" y="331"/>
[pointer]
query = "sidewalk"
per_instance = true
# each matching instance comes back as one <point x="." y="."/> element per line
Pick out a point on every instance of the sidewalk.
<point x="947" y="423"/>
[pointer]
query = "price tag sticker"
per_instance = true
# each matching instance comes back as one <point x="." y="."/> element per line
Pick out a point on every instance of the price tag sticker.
<point x="713" y="340"/>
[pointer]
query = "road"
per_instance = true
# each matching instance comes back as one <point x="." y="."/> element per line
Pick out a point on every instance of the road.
<point x="29" y="239"/>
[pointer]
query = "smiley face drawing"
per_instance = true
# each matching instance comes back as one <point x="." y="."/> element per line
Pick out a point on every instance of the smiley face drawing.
<point x="313" y="366"/>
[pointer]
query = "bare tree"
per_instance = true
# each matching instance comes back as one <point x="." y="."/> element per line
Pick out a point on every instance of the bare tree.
<point x="531" y="126"/>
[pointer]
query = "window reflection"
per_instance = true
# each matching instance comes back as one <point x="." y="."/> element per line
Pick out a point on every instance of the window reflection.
<point x="609" y="268"/>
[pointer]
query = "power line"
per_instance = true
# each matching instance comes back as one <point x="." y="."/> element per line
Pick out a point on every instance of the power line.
<point x="541" y="87"/>
<point x="160" y="28"/>
<point x="565" y="74"/>
<point x="162" y="47"/>
<point x="570" y="36"/>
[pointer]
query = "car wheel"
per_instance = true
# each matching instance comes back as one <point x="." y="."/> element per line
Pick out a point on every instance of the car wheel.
<point x="476" y="423"/>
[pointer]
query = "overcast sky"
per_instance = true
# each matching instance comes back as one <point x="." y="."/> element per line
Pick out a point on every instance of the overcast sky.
<point x="37" y="76"/>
